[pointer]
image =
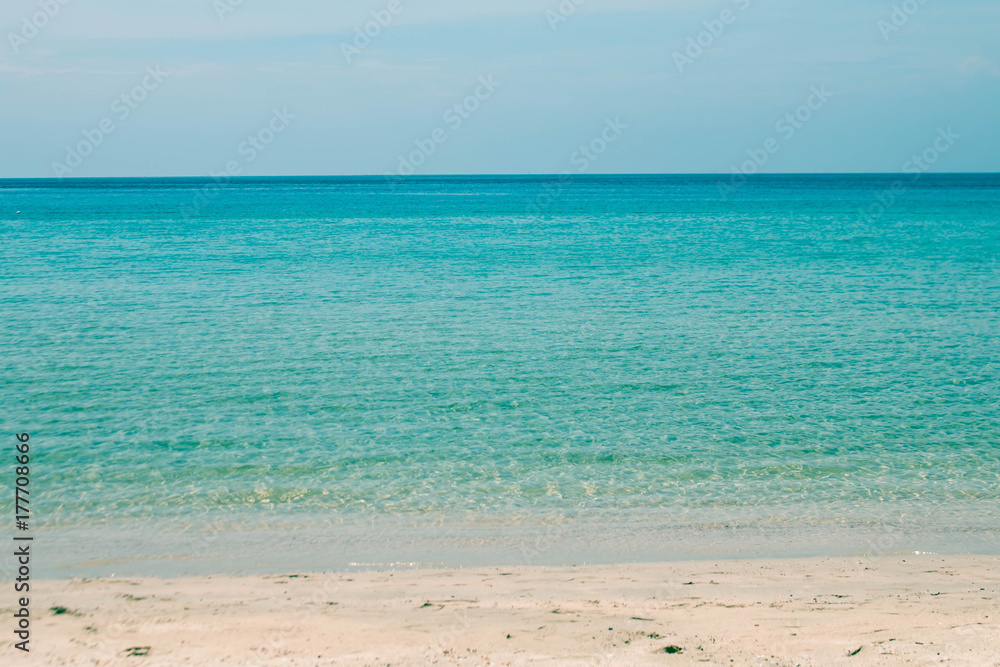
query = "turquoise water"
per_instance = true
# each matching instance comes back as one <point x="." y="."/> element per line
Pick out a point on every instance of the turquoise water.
<point x="511" y="369"/>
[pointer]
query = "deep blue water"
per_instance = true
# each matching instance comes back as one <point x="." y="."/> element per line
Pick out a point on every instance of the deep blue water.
<point x="517" y="369"/>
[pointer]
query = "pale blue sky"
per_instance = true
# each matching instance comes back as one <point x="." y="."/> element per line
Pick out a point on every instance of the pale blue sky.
<point x="557" y="87"/>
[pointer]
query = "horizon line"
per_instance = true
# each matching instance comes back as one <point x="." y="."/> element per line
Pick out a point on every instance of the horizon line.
<point x="571" y="175"/>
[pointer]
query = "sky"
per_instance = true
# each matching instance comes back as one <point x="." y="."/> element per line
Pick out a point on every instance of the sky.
<point x="261" y="87"/>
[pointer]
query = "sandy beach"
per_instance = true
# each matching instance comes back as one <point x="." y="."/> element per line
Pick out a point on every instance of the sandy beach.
<point x="888" y="610"/>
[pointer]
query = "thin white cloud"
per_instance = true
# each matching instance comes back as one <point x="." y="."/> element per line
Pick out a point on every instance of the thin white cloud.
<point x="198" y="19"/>
<point x="979" y="66"/>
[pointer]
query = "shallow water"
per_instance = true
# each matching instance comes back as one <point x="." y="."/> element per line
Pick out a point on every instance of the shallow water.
<point x="464" y="370"/>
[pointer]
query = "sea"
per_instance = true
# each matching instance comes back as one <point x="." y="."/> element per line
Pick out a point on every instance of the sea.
<point x="325" y="374"/>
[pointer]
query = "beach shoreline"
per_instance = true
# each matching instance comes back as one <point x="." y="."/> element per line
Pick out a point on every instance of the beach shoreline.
<point x="863" y="610"/>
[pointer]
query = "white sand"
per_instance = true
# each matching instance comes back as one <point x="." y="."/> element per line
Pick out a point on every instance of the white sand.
<point x="898" y="610"/>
